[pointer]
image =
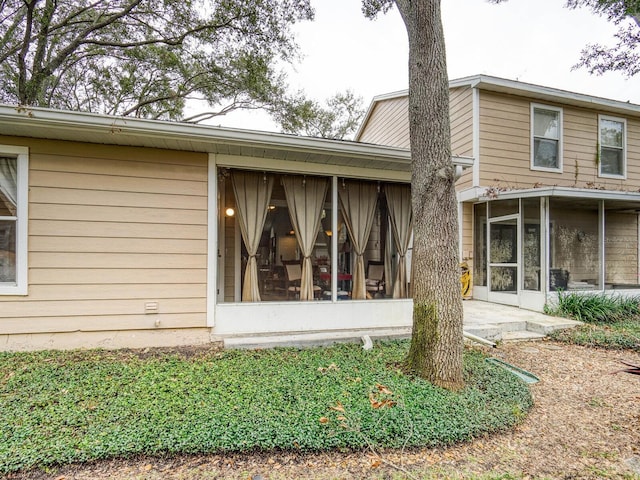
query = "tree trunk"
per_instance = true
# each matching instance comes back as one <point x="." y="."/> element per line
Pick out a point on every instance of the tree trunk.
<point x="437" y="341"/>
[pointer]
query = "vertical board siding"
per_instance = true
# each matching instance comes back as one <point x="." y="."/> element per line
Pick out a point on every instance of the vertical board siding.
<point x="110" y="229"/>
<point x="621" y="248"/>
<point x="505" y="147"/>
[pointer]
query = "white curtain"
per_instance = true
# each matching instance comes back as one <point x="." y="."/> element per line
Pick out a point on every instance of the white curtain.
<point x="8" y="183"/>
<point x="358" y="201"/>
<point x="305" y="200"/>
<point x="388" y="266"/>
<point x="399" y="205"/>
<point x="253" y="192"/>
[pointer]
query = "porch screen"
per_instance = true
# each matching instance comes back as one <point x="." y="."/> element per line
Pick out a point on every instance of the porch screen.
<point x="305" y="200"/>
<point x="253" y="192"/>
<point x="400" y="215"/>
<point x="358" y="201"/>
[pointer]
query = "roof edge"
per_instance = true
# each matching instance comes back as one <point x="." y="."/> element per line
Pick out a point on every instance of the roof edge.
<point x="128" y="127"/>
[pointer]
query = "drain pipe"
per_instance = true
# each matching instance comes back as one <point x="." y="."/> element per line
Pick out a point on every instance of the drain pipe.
<point x="475" y="338"/>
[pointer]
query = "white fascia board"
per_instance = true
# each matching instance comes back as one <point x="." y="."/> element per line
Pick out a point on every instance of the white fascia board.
<point x="503" y="85"/>
<point x="113" y="127"/>
<point x="471" y="194"/>
<point x="562" y="192"/>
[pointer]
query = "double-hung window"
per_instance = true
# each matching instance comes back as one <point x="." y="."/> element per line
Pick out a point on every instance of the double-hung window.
<point x="546" y="138"/>
<point x="612" y="141"/>
<point x="13" y="220"/>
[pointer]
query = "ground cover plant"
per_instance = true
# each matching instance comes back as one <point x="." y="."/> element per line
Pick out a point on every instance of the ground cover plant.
<point x="61" y="407"/>
<point x="610" y="321"/>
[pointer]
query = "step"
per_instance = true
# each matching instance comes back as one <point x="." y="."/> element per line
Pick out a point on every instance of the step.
<point x="521" y="336"/>
<point x="309" y="339"/>
<point x="551" y="324"/>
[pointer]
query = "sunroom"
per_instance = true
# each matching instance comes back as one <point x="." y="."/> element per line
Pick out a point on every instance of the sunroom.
<point x="306" y="248"/>
<point x="530" y="244"/>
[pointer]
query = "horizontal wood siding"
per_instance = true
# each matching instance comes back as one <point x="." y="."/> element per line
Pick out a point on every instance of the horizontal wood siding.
<point x="111" y="228"/>
<point x="505" y="147"/>
<point x="461" y="114"/>
<point x="388" y="123"/>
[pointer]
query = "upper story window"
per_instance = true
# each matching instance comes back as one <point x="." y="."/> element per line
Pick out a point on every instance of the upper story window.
<point x="612" y="141"/>
<point x="546" y="138"/>
<point x="13" y="220"/>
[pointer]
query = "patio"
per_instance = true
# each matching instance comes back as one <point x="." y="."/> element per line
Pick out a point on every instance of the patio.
<point x="487" y="320"/>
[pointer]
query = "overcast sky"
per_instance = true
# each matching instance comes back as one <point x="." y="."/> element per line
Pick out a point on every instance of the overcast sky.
<point x="534" y="41"/>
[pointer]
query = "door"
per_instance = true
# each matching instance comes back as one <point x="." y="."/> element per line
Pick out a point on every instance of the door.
<point x="504" y="268"/>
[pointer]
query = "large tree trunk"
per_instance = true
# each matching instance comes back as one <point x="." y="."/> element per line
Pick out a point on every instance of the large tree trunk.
<point x="437" y="341"/>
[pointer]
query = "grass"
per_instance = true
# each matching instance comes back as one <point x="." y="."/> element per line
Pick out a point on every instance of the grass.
<point x="62" y="407"/>
<point x="611" y="322"/>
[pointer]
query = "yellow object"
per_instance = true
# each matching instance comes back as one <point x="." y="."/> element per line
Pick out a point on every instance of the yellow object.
<point x="465" y="279"/>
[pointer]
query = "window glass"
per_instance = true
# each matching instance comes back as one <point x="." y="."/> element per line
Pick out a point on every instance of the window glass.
<point x="611" y="147"/>
<point x="480" y="244"/>
<point x="8" y="219"/>
<point x="546" y="138"/>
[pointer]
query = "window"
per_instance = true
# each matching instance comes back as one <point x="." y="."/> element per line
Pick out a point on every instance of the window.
<point x="546" y="138"/>
<point x="13" y="220"/>
<point x="612" y="142"/>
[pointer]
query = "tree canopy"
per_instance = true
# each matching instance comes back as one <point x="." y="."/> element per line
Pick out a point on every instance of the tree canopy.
<point x="339" y="119"/>
<point x="146" y="58"/>
<point x="624" y="56"/>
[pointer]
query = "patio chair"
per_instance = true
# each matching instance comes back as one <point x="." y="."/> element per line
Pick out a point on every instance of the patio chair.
<point x="375" y="279"/>
<point x="293" y="272"/>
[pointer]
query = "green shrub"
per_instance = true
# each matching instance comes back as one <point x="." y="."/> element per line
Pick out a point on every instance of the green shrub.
<point x="595" y="308"/>
<point x="60" y="407"/>
<point x="621" y="335"/>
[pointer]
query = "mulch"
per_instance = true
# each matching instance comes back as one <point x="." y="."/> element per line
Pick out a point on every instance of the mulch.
<point x="585" y="424"/>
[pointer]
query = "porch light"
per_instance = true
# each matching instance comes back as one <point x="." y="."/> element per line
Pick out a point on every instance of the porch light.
<point x="230" y="212"/>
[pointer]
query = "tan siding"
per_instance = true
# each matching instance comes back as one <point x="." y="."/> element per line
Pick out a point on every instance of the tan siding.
<point x="505" y="147"/>
<point x="461" y="113"/>
<point x="388" y="124"/>
<point x="111" y="228"/>
<point x="621" y="248"/>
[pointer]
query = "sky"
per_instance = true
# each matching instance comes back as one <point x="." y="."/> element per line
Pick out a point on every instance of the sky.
<point x="533" y="41"/>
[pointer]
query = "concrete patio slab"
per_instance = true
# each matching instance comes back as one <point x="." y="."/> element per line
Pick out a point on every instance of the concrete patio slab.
<point x="483" y="319"/>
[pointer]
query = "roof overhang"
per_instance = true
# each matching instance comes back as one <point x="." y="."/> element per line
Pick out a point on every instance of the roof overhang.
<point x="514" y="87"/>
<point x="111" y="130"/>
<point x="487" y="194"/>
<point x="547" y="94"/>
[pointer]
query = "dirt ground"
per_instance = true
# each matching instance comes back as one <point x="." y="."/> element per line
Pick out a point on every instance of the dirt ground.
<point x="585" y="424"/>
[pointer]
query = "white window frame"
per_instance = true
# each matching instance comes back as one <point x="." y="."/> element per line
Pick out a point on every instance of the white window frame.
<point x="540" y="106"/>
<point x="20" y="286"/>
<point x="624" y="147"/>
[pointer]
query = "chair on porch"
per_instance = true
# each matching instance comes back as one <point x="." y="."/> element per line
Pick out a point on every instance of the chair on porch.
<point x="293" y="272"/>
<point x="375" y="278"/>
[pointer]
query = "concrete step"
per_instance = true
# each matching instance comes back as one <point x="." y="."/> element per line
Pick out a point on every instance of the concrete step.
<point x="309" y="339"/>
<point x="521" y="336"/>
<point x="487" y="331"/>
<point x="551" y="324"/>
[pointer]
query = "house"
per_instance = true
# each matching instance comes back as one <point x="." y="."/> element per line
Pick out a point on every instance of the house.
<point x="123" y="232"/>
<point x="552" y="200"/>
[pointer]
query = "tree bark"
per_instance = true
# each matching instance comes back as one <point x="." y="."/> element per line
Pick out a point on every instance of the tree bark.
<point x="437" y="342"/>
